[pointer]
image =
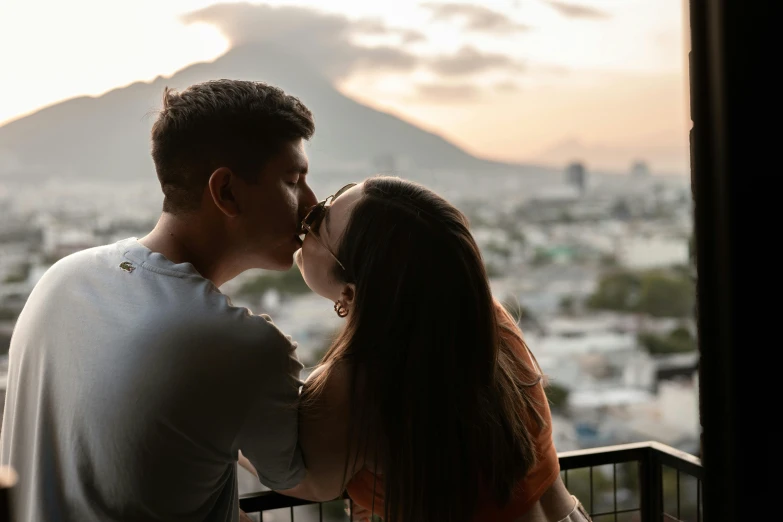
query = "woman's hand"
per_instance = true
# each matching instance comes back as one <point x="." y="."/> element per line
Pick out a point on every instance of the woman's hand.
<point x="246" y="464"/>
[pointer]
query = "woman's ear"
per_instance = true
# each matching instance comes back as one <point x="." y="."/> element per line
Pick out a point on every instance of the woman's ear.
<point x="348" y="296"/>
<point x="222" y="188"/>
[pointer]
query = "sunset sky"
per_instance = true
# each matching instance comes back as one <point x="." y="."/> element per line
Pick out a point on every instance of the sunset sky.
<point x="525" y="80"/>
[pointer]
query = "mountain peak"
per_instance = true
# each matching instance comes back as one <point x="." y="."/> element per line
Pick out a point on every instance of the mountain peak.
<point x="108" y="136"/>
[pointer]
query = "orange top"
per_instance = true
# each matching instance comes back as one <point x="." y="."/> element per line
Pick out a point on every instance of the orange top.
<point x="526" y="493"/>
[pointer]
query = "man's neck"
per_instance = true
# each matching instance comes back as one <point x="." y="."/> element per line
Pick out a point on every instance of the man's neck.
<point x="190" y="242"/>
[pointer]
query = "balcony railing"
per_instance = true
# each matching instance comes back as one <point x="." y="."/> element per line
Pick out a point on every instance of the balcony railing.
<point x="645" y="482"/>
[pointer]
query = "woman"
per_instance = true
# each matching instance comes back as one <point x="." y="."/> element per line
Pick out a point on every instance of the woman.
<point x="428" y="405"/>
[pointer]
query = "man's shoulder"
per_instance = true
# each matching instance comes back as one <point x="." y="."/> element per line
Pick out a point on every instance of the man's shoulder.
<point x="75" y="267"/>
<point x="84" y="258"/>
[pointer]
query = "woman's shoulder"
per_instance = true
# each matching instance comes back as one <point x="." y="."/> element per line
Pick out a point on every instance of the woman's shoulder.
<point x="330" y="383"/>
<point x="339" y="371"/>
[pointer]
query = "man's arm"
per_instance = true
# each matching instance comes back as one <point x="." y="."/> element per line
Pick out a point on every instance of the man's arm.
<point x="268" y="437"/>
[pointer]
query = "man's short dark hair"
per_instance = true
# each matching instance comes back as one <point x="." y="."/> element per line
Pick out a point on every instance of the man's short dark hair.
<point x="222" y="123"/>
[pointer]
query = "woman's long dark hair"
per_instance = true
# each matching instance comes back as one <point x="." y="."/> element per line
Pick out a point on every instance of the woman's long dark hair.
<point x="437" y="399"/>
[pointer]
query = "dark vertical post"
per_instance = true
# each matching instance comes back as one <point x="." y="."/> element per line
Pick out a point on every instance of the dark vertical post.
<point x="735" y="144"/>
<point x="651" y="487"/>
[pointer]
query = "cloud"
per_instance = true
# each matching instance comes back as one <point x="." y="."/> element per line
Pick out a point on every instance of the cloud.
<point x="506" y="87"/>
<point x="577" y="11"/>
<point x="327" y="41"/>
<point x="377" y="27"/>
<point x="323" y="39"/>
<point x="469" y="60"/>
<point x="446" y="93"/>
<point x="475" y="17"/>
<point x="411" y="36"/>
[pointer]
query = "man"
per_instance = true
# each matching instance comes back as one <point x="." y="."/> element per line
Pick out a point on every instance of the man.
<point x="133" y="382"/>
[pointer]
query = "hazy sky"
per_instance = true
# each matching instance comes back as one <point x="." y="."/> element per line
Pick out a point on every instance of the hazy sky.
<point x="544" y="80"/>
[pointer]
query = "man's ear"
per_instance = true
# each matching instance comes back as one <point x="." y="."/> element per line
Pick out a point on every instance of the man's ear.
<point x="348" y="296"/>
<point x="222" y="188"/>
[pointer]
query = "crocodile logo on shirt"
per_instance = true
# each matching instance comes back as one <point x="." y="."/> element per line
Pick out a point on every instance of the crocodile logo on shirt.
<point x="128" y="267"/>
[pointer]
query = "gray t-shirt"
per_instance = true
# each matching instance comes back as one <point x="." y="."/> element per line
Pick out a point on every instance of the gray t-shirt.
<point x="132" y="384"/>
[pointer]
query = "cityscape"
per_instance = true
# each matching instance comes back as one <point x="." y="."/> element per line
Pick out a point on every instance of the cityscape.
<point x="558" y="128"/>
<point x="596" y="267"/>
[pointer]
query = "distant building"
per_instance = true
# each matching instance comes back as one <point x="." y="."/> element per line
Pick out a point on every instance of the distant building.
<point x="676" y="367"/>
<point x="552" y="204"/>
<point x="672" y="417"/>
<point x="576" y="176"/>
<point x="640" y="169"/>
<point x="59" y="241"/>
<point x="6" y="329"/>
<point x="647" y="251"/>
<point x="651" y="372"/>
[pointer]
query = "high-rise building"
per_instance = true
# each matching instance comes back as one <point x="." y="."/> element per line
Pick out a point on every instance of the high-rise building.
<point x="640" y="169"/>
<point x="576" y="175"/>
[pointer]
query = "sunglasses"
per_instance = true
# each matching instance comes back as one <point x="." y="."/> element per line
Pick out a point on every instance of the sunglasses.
<point x="316" y="214"/>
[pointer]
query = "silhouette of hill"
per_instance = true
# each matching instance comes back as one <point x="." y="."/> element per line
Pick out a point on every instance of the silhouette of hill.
<point x="107" y="137"/>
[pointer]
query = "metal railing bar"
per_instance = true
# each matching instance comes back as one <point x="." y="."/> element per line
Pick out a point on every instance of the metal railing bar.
<point x="651" y="456"/>
<point x="614" y="488"/>
<point x="678" y="494"/>
<point x="592" y="504"/>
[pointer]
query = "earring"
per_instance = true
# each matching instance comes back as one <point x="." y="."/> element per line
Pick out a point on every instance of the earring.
<point x="340" y="309"/>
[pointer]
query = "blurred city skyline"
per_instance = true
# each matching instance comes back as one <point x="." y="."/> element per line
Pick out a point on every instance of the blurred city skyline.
<point x="521" y="113"/>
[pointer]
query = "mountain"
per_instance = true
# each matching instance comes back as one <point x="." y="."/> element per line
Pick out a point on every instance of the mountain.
<point x="107" y="137"/>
